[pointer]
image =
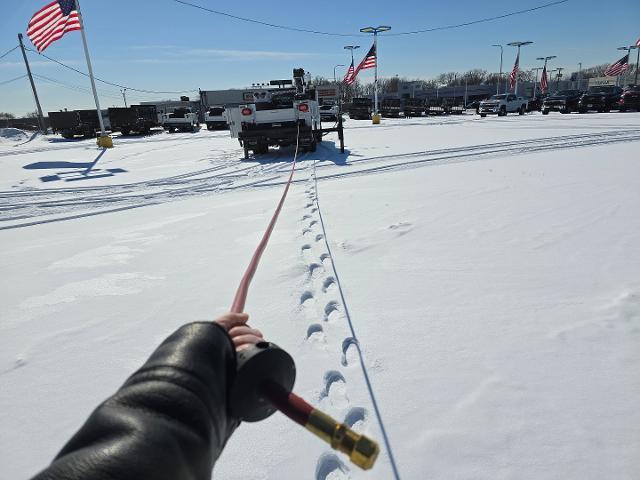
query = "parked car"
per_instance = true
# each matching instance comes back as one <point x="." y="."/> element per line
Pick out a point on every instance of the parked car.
<point x="564" y="101"/>
<point x="601" y="98"/>
<point x="329" y="113"/>
<point x="630" y="99"/>
<point x="502" y="104"/>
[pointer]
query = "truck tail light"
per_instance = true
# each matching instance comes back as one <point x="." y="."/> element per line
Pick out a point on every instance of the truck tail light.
<point x="246" y="111"/>
<point x="303" y="107"/>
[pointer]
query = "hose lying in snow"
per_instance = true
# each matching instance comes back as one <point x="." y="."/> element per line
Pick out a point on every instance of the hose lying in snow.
<point x="266" y="374"/>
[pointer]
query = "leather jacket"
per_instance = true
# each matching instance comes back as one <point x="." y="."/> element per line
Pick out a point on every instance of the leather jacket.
<point x="169" y="420"/>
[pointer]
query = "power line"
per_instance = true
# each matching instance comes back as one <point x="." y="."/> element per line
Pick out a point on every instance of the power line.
<point x="76" y="88"/>
<point x="337" y="34"/>
<point x="105" y="81"/>
<point x="13" y="79"/>
<point x="481" y="20"/>
<point x="9" y="51"/>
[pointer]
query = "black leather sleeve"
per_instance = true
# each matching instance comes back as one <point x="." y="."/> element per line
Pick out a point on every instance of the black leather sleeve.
<point x="168" y="421"/>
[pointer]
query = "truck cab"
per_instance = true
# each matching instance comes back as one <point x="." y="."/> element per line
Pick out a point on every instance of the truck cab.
<point x="181" y="119"/>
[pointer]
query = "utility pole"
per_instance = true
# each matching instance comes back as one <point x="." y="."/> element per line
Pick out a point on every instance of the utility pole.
<point x="41" y="124"/>
<point x="123" y="91"/>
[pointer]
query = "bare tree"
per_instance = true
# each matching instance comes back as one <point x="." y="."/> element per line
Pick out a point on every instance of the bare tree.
<point x="7" y="115"/>
<point x="33" y="114"/>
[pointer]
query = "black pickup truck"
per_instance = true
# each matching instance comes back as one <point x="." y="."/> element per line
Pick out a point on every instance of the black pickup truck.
<point x="564" y="101"/>
<point x="360" y="109"/>
<point x="601" y="98"/>
<point x="630" y="99"/>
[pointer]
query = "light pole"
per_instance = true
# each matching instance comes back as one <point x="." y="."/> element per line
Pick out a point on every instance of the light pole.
<point x="499" y="76"/>
<point x="579" y="76"/>
<point x="352" y="48"/>
<point x="558" y="75"/>
<point x="375" y="31"/>
<point x="518" y="44"/>
<point x="535" y="80"/>
<point x="628" y="50"/>
<point x="334" y="72"/>
<point x="546" y="59"/>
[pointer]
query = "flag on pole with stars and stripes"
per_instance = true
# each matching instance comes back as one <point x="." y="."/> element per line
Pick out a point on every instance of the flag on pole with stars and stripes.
<point x="514" y="72"/>
<point x="51" y="22"/>
<point x="369" y="61"/>
<point x="638" y="43"/>
<point x="544" y="83"/>
<point x="618" y="67"/>
<point x="349" y="77"/>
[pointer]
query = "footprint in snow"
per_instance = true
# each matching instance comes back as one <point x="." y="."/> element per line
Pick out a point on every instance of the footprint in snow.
<point x="306" y="246"/>
<point x="328" y="283"/>
<point x="330" y="467"/>
<point x="316" y="331"/>
<point x="319" y="237"/>
<point x="349" y="352"/>
<point x="312" y="223"/>
<point x="356" y="418"/>
<point x="306" y="217"/>
<point x="331" y="310"/>
<point x="306" y="297"/>
<point x="315" y="269"/>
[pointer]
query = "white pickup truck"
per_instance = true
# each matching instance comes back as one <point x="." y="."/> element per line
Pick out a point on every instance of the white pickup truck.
<point x="215" y="118"/>
<point x="277" y="117"/>
<point x="181" y="119"/>
<point x="502" y="104"/>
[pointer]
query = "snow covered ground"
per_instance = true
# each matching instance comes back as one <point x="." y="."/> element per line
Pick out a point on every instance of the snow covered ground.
<point x="489" y="266"/>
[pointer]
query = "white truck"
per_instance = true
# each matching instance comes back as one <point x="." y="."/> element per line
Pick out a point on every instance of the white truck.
<point x="181" y="119"/>
<point x="502" y="104"/>
<point x="278" y="117"/>
<point x="215" y="118"/>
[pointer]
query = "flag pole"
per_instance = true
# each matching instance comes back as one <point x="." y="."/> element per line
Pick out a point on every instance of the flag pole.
<point x="93" y="82"/>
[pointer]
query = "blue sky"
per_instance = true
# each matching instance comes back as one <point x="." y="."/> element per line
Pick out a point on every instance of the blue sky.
<point x="163" y="45"/>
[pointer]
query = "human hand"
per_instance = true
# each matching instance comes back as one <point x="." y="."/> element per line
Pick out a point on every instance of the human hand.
<point x="241" y="334"/>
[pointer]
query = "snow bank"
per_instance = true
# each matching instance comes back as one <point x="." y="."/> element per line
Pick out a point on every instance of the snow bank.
<point x="13" y="135"/>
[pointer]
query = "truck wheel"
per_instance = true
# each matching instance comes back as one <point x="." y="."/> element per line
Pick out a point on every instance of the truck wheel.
<point x="545" y="112"/>
<point x="503" y="111"/>
<point x="125" y="131"/>
<point x="521" y="110"/>
<point x="246" y="152"/>
<point x="564" y="110"/>
<point x="483" y="115"/>
<point x="622" y="109"/>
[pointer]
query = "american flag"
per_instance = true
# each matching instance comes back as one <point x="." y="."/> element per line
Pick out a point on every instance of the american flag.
<point x="638" y="43"/>
<point x="369" y="61"/>
<point x="51" y="22"/>
<point x="544" y="83"/>
<point x="618" y="68"/>
<point x="514" y="72"/>
<point x="349" y="77"/>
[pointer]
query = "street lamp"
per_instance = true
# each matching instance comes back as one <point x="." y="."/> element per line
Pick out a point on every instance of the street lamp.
<point x="545" y="59"/>
<point x="558" y="75"/>
<point x="500" y="76"/>
<point x="352" y="48"/>
<point x="518" y="44"/>
<point x="334" y="72"/>
<point x="535" y="79"/>
<point x="628" y="50"/>
<point x="375" y="31"/>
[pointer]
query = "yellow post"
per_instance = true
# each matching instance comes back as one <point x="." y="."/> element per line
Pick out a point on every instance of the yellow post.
<point x="375" y="118"/>
<point x="105" y="141"/>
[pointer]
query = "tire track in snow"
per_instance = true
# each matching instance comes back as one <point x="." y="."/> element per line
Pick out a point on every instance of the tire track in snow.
<point x="68" y="203"/>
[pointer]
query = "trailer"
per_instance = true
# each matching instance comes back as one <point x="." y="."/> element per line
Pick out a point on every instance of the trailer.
<point x="390" y="107"/>
<point x="413" y="107"/>
<point x="360" y="109"/>
<point x="436" y="106"/>
<point x="76" y="123"/>
<point x="279" y="117"/>
<point x="136" y="118"/>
